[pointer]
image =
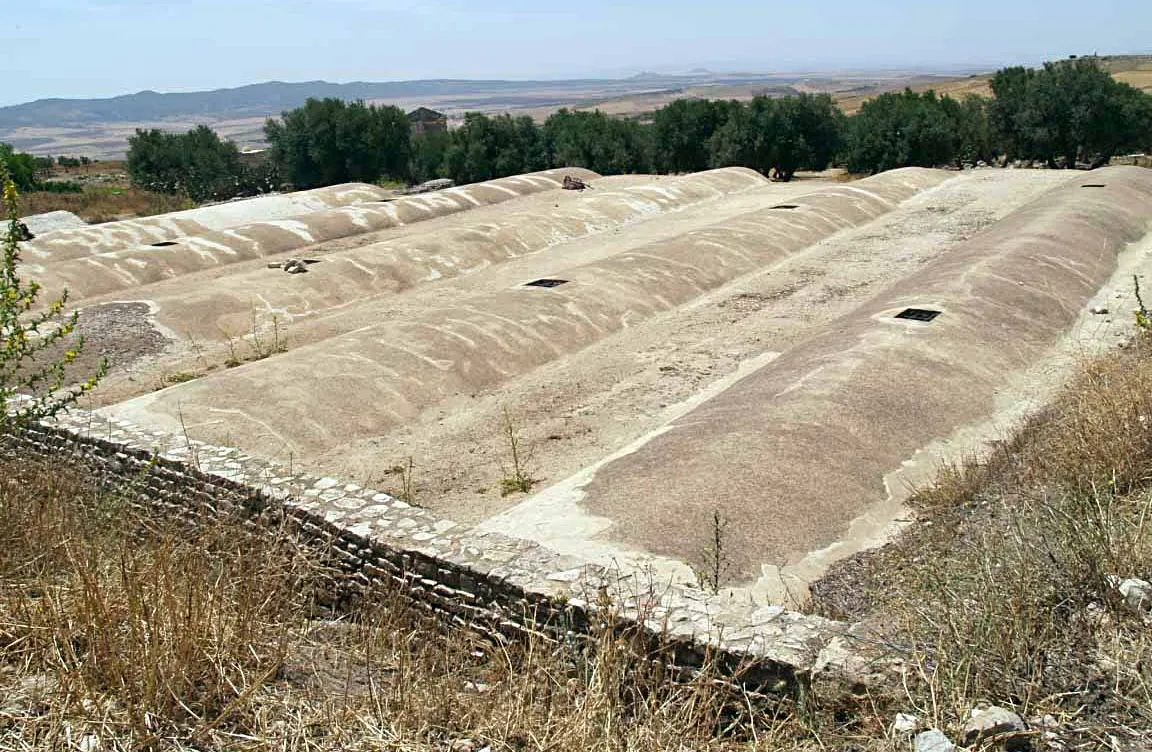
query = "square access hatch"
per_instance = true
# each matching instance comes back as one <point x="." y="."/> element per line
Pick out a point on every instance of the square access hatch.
<point x="918" y="314"/>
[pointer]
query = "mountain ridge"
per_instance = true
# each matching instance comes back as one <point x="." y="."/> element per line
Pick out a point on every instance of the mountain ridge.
<point x="270" y="98"/>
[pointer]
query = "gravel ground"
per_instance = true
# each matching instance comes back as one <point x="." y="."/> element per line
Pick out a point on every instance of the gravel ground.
<point x="121" y="332"/>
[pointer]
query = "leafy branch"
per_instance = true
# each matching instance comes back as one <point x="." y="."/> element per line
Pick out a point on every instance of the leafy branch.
<point x="37" y="345"/>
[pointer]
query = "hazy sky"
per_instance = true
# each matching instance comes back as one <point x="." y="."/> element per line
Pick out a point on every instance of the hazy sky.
<point x="94" y="48"/>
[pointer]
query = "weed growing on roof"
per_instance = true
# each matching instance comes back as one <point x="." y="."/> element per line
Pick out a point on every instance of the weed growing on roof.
<point x="712" y="568"/>
<point x="516" y="478"/>
<point x="262" y="341"/>
<point x="266" y="343"/>
<point x="1143" y="315"/>
<point x="407" y="490"/>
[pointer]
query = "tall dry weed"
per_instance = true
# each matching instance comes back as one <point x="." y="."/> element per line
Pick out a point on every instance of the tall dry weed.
<point x="148" y="636"/>
<point x="171" y="626"/>
<point x="1013" y="598"/>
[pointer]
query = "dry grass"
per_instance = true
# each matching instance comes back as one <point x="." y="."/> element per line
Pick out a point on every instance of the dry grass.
<point x="118" y="628"/>
<point x="1004" y="591"/>
<point x="1133" y="69"/>
<point x="103" y="203"/>
<point x="1141" y="79"/>
<point x="108" y="195"/>
<point x="140" y="630"/>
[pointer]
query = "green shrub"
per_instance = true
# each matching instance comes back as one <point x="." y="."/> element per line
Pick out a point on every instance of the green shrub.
<point x="38" y="344"/>
<point x="60" y="186"/>
<point x="197" y="164"/>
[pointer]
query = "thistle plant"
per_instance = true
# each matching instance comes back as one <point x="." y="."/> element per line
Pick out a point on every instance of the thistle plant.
<point x="37" y="343"/>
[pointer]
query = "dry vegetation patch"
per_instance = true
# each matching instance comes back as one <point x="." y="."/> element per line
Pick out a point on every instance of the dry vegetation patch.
<point x="1006" y="590"/>
<point x="122" y="631"/>
<point x="103" y="203"/>
<point x="129" y="631"/>
<point x="128" y="627"/>
<point x="107" y="195"/>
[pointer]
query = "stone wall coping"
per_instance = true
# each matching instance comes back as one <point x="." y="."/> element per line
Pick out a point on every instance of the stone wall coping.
<point x="532" y="584"/>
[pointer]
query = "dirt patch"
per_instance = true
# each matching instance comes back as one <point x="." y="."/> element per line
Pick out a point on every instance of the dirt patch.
<point x="121" y="332"/>
<point x="750" y="302"/>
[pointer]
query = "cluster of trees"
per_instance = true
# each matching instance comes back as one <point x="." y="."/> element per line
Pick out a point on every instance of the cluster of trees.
<point x="28" y="172"/>
<point x="197" y="164"/>
<point x="608" y="145"/>
<point x="329" y="141"/>
<point x="1063" y="114"/>
<point x="25" y="170"/>
<point x="902" y="129"/>
<point x="776" y="136"/>
<point x="73" y="161"/>
<point x="1066" y="113"/>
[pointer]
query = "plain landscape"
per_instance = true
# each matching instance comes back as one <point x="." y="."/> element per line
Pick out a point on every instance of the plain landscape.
<point x="100" y="128"/>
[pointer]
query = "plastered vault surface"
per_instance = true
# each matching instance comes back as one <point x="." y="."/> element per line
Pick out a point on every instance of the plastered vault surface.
<point x="643" y="358"/>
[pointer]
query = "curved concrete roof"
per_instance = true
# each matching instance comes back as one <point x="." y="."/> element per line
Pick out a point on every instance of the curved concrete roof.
<point x="103" y="273"/>
<point x="795" y="452"/>
<point x="354" y="275"/>
<point x="714" y="343"/>
<point x="53" y="221"/>
<point x="408" y="365"/>
<point x="130" y="233"/>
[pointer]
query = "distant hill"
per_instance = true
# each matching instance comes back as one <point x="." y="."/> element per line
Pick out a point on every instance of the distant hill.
<point x="244" y="101"/>
<point x="271" y="98"/>
<point x="100" y="128"/>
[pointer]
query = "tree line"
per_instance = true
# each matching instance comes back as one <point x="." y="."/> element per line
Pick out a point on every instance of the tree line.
<point x="28" y="172"/>
<point x="197" y="164"/>
<point x="1063" y="114"/>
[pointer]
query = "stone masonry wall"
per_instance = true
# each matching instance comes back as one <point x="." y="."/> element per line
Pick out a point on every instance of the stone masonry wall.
<point x="499" y="586"/>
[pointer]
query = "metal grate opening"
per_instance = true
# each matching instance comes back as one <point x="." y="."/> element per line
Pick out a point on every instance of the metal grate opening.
<point x="785" y="206"/>
<point x="917" y="314"/>
<point x="1093" y="185"/>
<point x="546" y="283"/>
<point x="164" y="244"/>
